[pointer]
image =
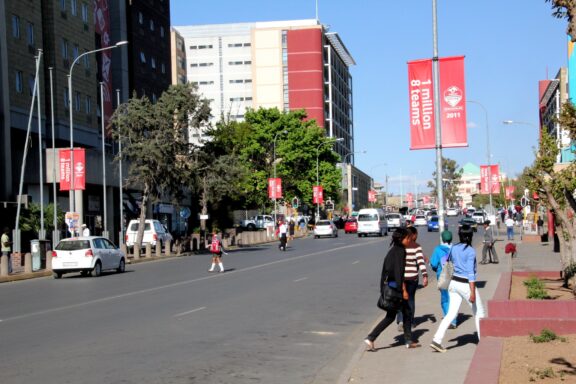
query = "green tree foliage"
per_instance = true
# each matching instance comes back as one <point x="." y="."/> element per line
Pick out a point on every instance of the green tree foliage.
<point x="30" y="218"/>
<point x="155" y="142"/>
<point x="451" y="175"/>
<point x="565" y="9"/>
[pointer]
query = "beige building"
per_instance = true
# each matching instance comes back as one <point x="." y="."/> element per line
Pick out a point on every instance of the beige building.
<point x="177" y="57"/>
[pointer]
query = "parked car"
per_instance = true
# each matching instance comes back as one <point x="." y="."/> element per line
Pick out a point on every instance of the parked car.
<point x="88" y="255"/>
<point x="258" y="222"/>
<point x="395" y="220"/>
<point x="433" y="224"/>
<point x="351" y="226"/>
<point x="325" y="228"/>
<point x="479" y="217"/>
<point x="469" y="221"/>
<point x="372" y="221"/>
<point x="154" y="231"/>
<point x="451" y="212"/>
<point x="420" y="220"/>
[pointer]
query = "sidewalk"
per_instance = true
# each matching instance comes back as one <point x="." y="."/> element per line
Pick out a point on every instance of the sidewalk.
<point x="394" y="363"/>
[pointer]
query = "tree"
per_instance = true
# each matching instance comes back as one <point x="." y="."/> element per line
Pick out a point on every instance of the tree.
<point x="565" y="9"/>
<point x="155" y="143"/>
<point x="30" y="219"/>
<point x="556" y="185"/>
<point x="451" y="175"/>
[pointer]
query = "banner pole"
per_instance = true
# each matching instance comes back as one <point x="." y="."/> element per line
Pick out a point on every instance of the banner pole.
<point x="437" y="120"/>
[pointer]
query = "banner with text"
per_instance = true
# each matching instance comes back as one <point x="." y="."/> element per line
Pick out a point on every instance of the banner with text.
<point x="317" y="194"/>
<point x="275" y="188"/>
<point x="489" y="176"/>
<point x="372" y="196"/>
<point x="452" y="103"/>
<point x="79" y="169"/>
<point x="510" y="192"/>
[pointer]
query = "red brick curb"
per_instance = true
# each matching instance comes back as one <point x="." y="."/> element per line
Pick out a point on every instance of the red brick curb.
<point x="485" y="365"/>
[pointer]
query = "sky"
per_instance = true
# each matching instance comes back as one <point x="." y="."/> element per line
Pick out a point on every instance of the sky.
<point x="508" y="47"/>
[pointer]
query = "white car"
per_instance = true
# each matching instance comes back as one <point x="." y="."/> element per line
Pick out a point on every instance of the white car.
<point x="88" y="255"/>
<point x="154" y="231"/>
<point x="479" y="217"/>
<point x="420" y="220"/>
<point x="452" y="212"/>
<point x="395" y="220"/>
<point x="325" y="228"/>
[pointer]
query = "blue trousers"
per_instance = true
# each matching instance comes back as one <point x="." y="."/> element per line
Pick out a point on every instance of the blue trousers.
<point x="510" y="232"/>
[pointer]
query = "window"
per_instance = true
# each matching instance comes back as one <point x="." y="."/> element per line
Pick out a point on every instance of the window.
<point x="235" y="45"/>
<point x="193" y="47"/>
<point x="161" y="31"/>
<point x="151" y="25"/>
<point x="74" y="8"/>
<point x="202" y="47"/>
<point x="85" y="13"/>
<point x="86" y="60"/>
<point x="153" y="63"/>
<point x="248" y="81"/>
<point x="63" y="5"/>
<point x="142" y="57"/>
<point x="235" y="63"/>
<point x="19" y="81"/>
<point x="247" y="44"/>
<point x="205" y="64"/>
<point x="140" y="18"/>
<point x="15" y="26"/>
<point x="31" y="84"/>
<point x="236" y="81"/>
<point x="66" y="98"/>
<point x="163" y="68"/>
<point x="76" y="51"/>
<point x="30" y="34"/>
<point x="77" y="98"/>
<point x="64" y="48"/>
<point x="88" y="104"/>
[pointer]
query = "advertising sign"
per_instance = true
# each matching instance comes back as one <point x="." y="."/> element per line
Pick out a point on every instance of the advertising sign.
<point x="509" y="192"/>
<point x="492" y="175"/>
<point x="372" y="196"/>
<point x="317" y="194"/>
<point x="452" y="103"/>
<point x="72" y="220"/>
<point x="79" y="169"/>
<point x="409" y="199"/>
<point x="275" y="188"/>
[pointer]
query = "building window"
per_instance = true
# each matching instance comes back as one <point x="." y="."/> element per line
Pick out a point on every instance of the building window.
<point x="142" y="57"/>
<point x="235" y="63"/>
<point x="64" y="48"/>
<point x="153" y="63"/>
<point x="86" y="60"/>
<point x="66" y="98"/>
<point x="85" y="12"/>
<point x="77" y="98"/>
<point x="202" y="47"/>
<point x="31" y="84"/>
<point x="247" y="44"/>
<point x="154" y="97"/>
<point x="63" y="5"/>
<point x="247" y="81"/>
<point x="19" y="81"/>
<point x="74" y="8"/>
<point x="15" y="26"/>
<point x="161" y="31"/>
<point x="30" y="34"/>
<point x="163" y="68"/>
<point x="235" y="45"/>
<point x="140" y="18"/>
<point x="151" y="25"/>
<point x="88" y="104"/>
<point x="76" y="51"/>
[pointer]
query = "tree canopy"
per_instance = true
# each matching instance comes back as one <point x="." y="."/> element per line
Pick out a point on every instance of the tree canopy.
<point x="451" y="175"/>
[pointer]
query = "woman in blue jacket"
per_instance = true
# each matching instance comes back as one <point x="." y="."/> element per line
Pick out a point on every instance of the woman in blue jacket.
<point x="437" y="260"/>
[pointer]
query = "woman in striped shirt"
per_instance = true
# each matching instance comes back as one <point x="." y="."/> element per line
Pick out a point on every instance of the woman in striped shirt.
<point x="415" y="264"/>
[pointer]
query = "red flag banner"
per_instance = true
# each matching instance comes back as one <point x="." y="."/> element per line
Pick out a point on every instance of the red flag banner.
<point x="487" y="175"/>
<point x="66" y="169"/>
<point x="275" y="188"/>
<point x="317" y="194"/>
<point x="509" y="192"/>
<point x="372" y="196"/>
<point x="452" y="103"/>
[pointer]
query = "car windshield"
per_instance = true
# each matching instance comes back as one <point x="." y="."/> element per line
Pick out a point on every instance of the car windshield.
<point x="134" y="226"/>
<point x="351" y="220"/>
<point x="323" y="222"/>
<point x="420" y="217"/>
<point x="434" y="219"/>
<point x="73" y="245"/>
<point x="393" y="216"/>
<point x="367" y="217"/>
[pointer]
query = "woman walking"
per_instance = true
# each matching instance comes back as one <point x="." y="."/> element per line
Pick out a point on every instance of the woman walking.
<point x="462" y="286"/>
<point x="393" y="276"/>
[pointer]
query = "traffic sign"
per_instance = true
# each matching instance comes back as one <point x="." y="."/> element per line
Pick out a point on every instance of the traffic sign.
<point x="295" y="202"/>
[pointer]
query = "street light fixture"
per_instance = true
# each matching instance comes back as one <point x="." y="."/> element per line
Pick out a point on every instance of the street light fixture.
<point x="284" y="132"/>
<point x="330" y="141"/>
<point x="71" y="107"/>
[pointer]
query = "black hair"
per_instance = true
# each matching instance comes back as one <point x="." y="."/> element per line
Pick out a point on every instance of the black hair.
<point x="398" y="235"/>
<point x="413" y="230"/>
<point x="465" y="233"/>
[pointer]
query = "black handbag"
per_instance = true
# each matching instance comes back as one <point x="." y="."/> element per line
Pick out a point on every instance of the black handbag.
<point x="390" y="299"/>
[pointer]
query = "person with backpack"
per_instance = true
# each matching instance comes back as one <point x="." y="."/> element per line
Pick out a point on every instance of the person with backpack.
<point x="437" y="261"/>
<point x="216" y="250"/>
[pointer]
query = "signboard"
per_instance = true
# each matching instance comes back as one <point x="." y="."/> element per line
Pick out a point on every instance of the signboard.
<point x="371" y="196"/>
<point x="79" y="169"/>
<point x="452" y="103"/>
<point x="317" y="194"/>
<point x="486" y="175"/>
<point x="509" y="192"/>
<point x="185" y="213"/>
<point x="275" y="188"/>
<point x="72" y="220"/>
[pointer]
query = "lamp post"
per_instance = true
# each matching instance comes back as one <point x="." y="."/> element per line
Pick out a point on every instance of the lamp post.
<point x="330" y="141"/>
<point x="284" y="132"/>
<point x="488" y="159"/>
<point x="71" y="107"/>
<point x="120" y="182"/>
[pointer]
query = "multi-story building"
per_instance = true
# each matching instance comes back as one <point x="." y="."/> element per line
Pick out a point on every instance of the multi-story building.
<point x="289" y="65"/>
<point x="177" y="57"/>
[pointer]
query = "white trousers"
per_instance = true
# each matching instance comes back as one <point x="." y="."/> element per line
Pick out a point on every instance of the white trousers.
<point x="458" y="292"/>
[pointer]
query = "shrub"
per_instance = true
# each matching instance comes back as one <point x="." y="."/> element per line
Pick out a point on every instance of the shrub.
<point x="536" y="289"/>
<point x="546" y="336"/>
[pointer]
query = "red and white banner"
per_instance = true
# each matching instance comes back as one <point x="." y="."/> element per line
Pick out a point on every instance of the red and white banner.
<point x="275" y="188"/>
<point x="452" y="103"/>
<point x="371" y="196"/>
<point x="66" y="169"/>
<point x="409" y="199"/>
<point x="486" y="175"/>
<point x="509" y="192"/>
<point x="317" y="194"/>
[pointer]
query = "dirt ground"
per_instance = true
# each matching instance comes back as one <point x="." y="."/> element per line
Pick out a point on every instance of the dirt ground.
<point x="524" y="361"/>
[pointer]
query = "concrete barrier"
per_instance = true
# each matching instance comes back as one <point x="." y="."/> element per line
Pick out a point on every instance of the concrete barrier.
<point x="48" y="260"/>
<point x="28" y="263"/>
<point x="158" y="249"/>
<point x="3" y="265"/>
<point x="167" y="248"/>
<point x="148" y="250"/>
<point x="136" y="252"/>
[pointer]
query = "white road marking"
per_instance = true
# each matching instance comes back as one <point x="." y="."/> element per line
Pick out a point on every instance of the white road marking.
<point x="356" y="262"/>
<point x="322" y="333"/>
<point x="177" y="284"/>
<point x="189" y="312"/>
<point x="298" y="280"/>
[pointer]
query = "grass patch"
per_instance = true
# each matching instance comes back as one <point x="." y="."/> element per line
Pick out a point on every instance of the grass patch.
<point x="536" y="289"/>
<point x="546" y="336"/>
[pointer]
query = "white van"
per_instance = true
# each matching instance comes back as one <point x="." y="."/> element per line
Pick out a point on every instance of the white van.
<point x="154" y="231"/>
<point x="372" y="221"/>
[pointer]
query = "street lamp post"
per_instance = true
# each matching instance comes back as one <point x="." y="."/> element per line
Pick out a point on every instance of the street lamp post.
<point x="70" y="107"/>
<point x="330" y="141"/>
<point x="274" y="163"/>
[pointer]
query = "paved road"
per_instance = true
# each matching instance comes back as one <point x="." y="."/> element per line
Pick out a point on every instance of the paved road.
<point x="273" y="317"/>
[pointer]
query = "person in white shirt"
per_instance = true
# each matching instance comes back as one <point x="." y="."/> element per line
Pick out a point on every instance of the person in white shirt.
<point x="282" y="233"/>
<point x="85" y="230"/>
<point x="509" y="228"/>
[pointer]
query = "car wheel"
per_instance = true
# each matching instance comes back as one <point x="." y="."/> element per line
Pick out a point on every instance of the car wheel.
<point x="122" y="266"/>
<point x="251" y="227"/>
<point x="97" y="271"/>
<point x="57" y="275"/>
<point x="316" y="237"/>
<point x="336" y="234"/>
<point x="85" y="273"/>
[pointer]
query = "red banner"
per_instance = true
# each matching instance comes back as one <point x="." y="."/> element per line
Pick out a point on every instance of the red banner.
<point x="275" y="188"/>
<point x="372" y="196"/>
<point x="509" y="192"/>
<point x="452" y="103"/>
<point x="426" y="199"/>
<point x="79" y="169"/>
<point x="486" y="175"/>
<point x="317" y="194"/>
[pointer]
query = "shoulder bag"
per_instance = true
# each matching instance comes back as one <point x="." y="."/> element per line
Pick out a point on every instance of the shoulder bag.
<point x="446" y="274"/>
<point x="390" y="299"/>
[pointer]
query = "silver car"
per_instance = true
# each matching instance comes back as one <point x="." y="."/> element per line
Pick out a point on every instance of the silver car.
<point x="325" y="228"/>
